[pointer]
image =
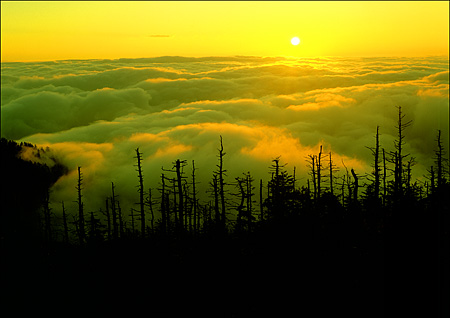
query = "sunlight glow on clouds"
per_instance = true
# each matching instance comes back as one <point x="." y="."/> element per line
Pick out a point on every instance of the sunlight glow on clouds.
<point x="95" y="113"/>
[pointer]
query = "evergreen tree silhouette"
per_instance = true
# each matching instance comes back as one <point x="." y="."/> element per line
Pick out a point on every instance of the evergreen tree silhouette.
<point x="141" y="191"/>
<point x="81" y="223"/>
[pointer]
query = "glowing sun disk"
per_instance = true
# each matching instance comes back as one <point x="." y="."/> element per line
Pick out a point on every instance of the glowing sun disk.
<point x="295" y="41"/>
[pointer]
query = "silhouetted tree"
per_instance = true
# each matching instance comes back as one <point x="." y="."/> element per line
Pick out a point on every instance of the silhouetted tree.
<point x="332" y="168"/>
<point x="441" y="161"/>
<point x="178" y="168"/>
<point x="356" y="186"/>
<point x="164" y="206"/>
<point x="373" y="190"/>
<point x="319" y="169"/>
<point x="194" y="197"/>
<point x="149" y="203"/>
<point x="311" y="160"/>
<point x="108" y="219"/>
<point x="114" y="212"/>
<point x="397" y="157"/>
<point x="79" y="187"/>
<point x="215" y="190"/>
<point x="121" y="222"/>
<point x="221" y="173"/>
<point x="141" y="191"/>
<point x="281" y="200"/>
<point x="249" y="195"/>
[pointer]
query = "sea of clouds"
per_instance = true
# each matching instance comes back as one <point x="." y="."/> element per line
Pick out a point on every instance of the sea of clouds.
<point x="95" y="113"/>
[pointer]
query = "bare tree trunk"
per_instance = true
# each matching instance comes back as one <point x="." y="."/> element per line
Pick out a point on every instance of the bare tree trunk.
<point x="439" y="160"/>
<point x="216" y="199"/>
<point x="376" y="164"/>
<point x="221" y="173"/>
<point x="163" y="205"/>
<point x="121" y="226"/>
<point x="114" y="214"/>
<point x="180" y="194"/>
<point x="313" y="167"/>
<point x="141" y="191"/>
<point x="82" y="233"/>
<point x="241" y="205"/>
<point x="175" y="205"/>
<point x="194" y="194"/>
<point x="356" y="186"/>
<point x="150" y="205"/>
<point x="249" y="201"/>
<point x="319" y="168"/>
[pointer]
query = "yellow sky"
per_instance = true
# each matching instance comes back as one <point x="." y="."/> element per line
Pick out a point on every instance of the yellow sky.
<point x="35" y="31"/>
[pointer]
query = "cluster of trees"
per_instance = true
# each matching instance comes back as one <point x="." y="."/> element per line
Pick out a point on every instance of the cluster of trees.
<point x="237" y="207"/>
<point x="338" y="229"/>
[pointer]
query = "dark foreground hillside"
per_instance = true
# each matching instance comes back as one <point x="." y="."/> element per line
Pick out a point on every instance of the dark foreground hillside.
<point x="307" y="251"/>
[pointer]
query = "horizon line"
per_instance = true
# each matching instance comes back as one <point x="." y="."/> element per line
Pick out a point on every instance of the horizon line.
<point x="224" y="56"/>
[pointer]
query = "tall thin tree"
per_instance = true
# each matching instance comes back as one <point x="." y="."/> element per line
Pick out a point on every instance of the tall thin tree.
<point x="141" y="190"/>
<point x="221" y="172"/>
<point x="79" y="187"/>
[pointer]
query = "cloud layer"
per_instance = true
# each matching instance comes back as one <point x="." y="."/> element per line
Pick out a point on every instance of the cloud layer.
<point x="94" y="113"/>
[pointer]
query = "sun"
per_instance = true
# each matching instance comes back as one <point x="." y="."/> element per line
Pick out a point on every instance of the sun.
<point x="295" y="41"/>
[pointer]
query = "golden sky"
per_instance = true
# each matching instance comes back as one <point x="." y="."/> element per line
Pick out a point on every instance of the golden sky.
<point x="36" y="31"/>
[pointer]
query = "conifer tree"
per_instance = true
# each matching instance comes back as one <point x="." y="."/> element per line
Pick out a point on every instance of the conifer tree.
<point x="194" y="196"/>
<point x="79" y="187"/>
<point x="332" y="169"/>
<point x="221" y="173"/>
<point x="114" y="212"/>
<point x="398" y="156"/>
<point x="441" y="162"/>
<point x="141" y="190"/>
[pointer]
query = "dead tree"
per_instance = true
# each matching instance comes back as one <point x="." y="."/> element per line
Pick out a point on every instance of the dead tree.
<point x="194" y="196"/>
<point x="240" y="207"/>
<point x="108" y="219"/>
<point x="79" y="187"/>
<point x="319" y="169"/>
<point x="312" y="165"/>
<point x="132" y="215"/>
<point x="397" y="157"/>
<point x="249" y="195"/>
<point x="216" y="198"/>
<point x="356" y="186"/>
<point x="163" y="208"/>
<point x="141" y="190"/>
<point x="121" y="223"/>
<point x="150" y="206"/>
<point x="375" y="176"/>
<point x="221" y="172"/>
<point x="441" y="162"/>
<point x="114" y="212"/>
<point x="178" y="167"/>
<point x="332" y="168"/>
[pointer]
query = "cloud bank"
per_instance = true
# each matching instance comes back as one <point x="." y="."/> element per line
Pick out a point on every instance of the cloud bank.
<point x="94" y="113"/>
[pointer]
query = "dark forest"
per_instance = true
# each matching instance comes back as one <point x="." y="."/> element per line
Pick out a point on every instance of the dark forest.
<point x="361" y="245"/>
